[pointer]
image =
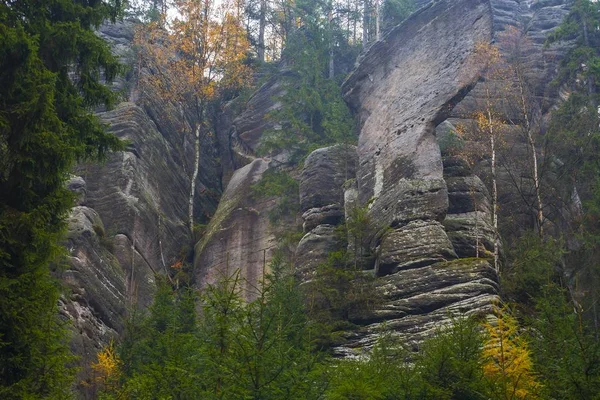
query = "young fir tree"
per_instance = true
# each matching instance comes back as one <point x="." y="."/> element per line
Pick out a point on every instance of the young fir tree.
<point x="160" y="353"/>
<point x="51" y="69"/>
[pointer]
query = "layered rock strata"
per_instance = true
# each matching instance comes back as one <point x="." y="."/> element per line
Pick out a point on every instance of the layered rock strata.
<point x="404" y="87"/>
<point x="322" y="204"/>
<point x="131" y="219"/>
<point x="431" y="218"/>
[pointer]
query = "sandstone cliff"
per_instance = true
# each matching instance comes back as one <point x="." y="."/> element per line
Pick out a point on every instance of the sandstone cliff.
<point x="428" y="211"/>
<point x="130" y="221"/>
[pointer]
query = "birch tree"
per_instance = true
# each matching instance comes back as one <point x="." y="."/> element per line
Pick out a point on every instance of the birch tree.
<point x="523" y="110"/>
<point x="201" y="53"/>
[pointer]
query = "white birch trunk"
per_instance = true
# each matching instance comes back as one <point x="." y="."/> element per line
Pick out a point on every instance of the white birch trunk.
<point x="534" y="160"/>
<point x="494" y="192"/>
<point x="365" y="32"/>
<point x="377" y="19"/>
<point x="194" y="177"/>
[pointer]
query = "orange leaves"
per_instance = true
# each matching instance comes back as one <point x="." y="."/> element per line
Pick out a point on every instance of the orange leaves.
<point x="198" y="54"/>
<point x="486" y="54"/>
<point x="507" y="361"/>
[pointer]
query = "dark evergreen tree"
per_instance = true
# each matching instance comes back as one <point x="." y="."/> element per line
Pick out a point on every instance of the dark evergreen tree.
<point x="313" y="113"/>
<point x="52" y="67"/>
<point x="574" y="136"/>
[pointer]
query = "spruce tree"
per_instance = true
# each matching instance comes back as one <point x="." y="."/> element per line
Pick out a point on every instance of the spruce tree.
<point x="52" y="67"/>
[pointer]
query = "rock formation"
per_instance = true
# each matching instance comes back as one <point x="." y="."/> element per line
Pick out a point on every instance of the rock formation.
<point x="130" y="221"/>
<point x="429" y="212"/>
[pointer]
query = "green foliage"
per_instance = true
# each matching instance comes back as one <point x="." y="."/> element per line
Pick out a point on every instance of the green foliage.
<point x="450" y="363"/>
<point x="533" y="267"/>
<point x="280" y="184"/>
<point x="583" y="60"/>
<point x="562" y="334"/>
<point x="396" y="11"/>
<point x="574" y="138"/>
<point x="158" y="352"/>
<point x="258" y="350"/>
<point x="451" y="142"/>
<point x="313" y="114"/>
<point x="565" y="348"/>
<point x="384" y="375"/>
<point x="448" y="367"/>
<point x="51" y="64"/>
<point x="341" y="290"/>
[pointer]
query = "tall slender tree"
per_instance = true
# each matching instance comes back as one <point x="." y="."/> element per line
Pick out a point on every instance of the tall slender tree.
<point x="51" y="69"/>
<point x="201" y="54"/>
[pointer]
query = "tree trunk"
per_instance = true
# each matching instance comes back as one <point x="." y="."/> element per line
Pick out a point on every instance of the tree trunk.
<point x="590" y="77"/>
<point x="261" y="30"/>
<point x="377" y="19"/>
<point x="194" y="176"/>
<point x="494" y="191"/>
<point x="534" y="160"/>
<point x="331" y="41"/>
<point x="365" y="32"/>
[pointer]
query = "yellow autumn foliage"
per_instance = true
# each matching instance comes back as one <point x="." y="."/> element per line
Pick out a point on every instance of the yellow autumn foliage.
<point x="507" y="364"/>
<point x="108" y="368"/>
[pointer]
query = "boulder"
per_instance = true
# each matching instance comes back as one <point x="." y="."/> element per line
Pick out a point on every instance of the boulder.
<point x="417" y="302"/>
<point x="324" y="174"/>
<point x="314" y="248"/>
<point x="417" y="244"/>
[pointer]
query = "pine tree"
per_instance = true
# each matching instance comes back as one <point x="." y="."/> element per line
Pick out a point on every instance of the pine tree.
<point x="52" y="67"/>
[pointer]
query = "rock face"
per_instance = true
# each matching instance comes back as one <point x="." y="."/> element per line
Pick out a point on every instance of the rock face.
<point x="405" y="86"/>
<point x="240" y="236"/>
<point x="430" y="214"/>
<point x="429" y="211"/>
<point x="130" y="222"/>
<point x="322" y="204"/>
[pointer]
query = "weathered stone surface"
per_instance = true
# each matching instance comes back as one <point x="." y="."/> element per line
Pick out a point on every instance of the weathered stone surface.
<point x="405" y="86"/>
<point x="328" y="215"/>
<point x="456" y="166"/>
<point x="417" y="301"/>
<point x="239" y="236"/>
<point x="322" y="185"/>
<point x="417" y="244"/>
<point x="96" y="299"/>
<point x="78" y="186"/>
<point x="239" y="132"/>
<point x="314" y="248"/>
<point x="325" y="171"/>
<point x="467" y="194"/>
<point x="468" y="231"/>
<point x="130" y="223"/>
<point x="249" y="126"/>
<point x="408" y="200"/>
